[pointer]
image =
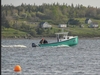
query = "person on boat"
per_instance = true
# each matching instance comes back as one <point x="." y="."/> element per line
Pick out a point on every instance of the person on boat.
<point x="43" y="41"/>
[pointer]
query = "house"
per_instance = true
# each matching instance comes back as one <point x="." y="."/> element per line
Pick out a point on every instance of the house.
<point x="45" y="25"/>
<point x="62" y="25"/>
<point x="88" y="21"/>
<point x="82" y="26"/>
<point x="93" y="25"/>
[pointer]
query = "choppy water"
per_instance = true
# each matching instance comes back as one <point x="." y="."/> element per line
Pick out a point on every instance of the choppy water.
<point x="82" y="59"/>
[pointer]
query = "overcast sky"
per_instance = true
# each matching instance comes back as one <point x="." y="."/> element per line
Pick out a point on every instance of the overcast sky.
<point x="94" y="3"/>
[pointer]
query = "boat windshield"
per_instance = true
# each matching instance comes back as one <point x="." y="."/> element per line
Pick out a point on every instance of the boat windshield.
<point x="62" y="33"/>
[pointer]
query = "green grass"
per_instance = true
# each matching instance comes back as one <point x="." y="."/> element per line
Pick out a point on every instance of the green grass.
<point x="9" y="32"/>
<point x="81" y="32"/>
<point x="85" y="32"/>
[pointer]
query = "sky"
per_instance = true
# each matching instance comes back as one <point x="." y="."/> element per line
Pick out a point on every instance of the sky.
<point x="94" y="3"/>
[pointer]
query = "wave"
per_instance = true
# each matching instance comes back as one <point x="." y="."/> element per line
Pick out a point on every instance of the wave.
<point x="63" y="46"/>
<point x="13" y="46"/>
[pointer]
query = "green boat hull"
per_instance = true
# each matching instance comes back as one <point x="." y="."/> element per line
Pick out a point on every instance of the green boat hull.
<point x="70" y="42"/>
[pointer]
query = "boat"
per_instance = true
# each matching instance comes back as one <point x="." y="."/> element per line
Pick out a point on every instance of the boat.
<point x="64" y="41"/>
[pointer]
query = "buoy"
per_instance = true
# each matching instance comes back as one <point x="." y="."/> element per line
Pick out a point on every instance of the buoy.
<point x="17" y="68"/>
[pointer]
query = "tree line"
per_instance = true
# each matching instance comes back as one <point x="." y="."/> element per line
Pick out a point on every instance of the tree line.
<point x="17" y="16"/>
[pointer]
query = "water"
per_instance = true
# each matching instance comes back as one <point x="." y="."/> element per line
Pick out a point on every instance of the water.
<point x="82" y="59"/>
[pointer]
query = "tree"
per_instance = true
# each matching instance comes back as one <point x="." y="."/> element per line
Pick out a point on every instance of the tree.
<point x="73" y="22"/>
<point x="91" y="12"/>
<point x="24" y="15"/>
<point x="33" y="32"/>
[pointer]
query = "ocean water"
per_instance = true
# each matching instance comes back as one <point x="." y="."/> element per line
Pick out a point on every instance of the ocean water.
<point x="82" y="59"/>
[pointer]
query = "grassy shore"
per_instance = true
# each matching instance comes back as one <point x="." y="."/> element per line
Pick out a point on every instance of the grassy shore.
<point x="12" y="33"/>
<point x="81" y="32"/>
<point x="85" y="32"/>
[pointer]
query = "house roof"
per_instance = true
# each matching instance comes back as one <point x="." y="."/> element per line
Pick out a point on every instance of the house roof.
<point x="87" y="18"/>
<point x="43" y="23"/>
<point x="94" y="23"/>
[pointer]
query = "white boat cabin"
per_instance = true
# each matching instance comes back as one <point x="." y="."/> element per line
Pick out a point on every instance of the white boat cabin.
<point x="64" y="37"/>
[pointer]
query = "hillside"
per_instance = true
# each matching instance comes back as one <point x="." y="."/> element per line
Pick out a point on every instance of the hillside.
<point x="81" y="32"/>
<point x="23" y="21"/>
<point x="13" y="33"/>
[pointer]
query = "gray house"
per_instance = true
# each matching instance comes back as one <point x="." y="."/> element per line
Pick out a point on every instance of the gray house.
<point x="93" y="25"/>
<point x="88" y="21"/>
<point x="45" y="25"/>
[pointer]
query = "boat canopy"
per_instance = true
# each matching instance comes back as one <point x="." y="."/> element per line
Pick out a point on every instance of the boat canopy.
<point x="64" y="33"/>
<point x="61" y="33"/>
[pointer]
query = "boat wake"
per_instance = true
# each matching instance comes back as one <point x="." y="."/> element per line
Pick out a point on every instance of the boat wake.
<point x="63" y="46"/>
<point x="14" y="46"/>
<point x="59" y="46"/>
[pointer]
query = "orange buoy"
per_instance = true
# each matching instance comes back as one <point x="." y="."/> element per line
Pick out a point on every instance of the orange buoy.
<point x="17" y="68"/>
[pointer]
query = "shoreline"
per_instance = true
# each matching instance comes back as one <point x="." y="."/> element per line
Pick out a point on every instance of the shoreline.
<point x="53" y="38"/>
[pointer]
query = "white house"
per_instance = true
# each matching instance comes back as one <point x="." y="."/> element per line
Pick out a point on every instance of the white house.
<point x="93" y="25"/>
<point x="45" y="25"/>
<point x="88" y="21"/>
<point x="62" y="26"/>
<point x="82" y="26"/>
